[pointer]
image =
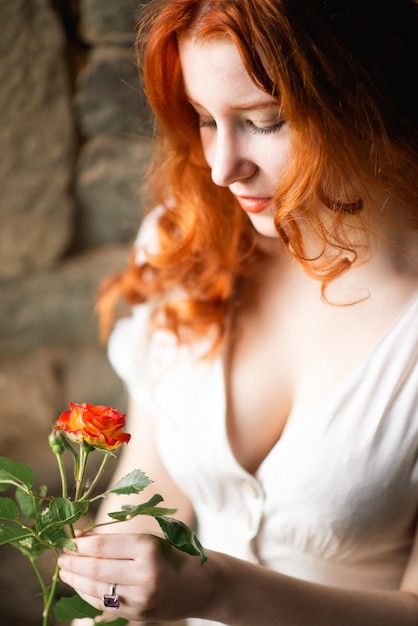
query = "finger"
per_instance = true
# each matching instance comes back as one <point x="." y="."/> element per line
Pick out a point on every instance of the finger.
<point x="98" y="604"/>
<point x="100" y="570"/>
<point x="122" y="546"/>
<point x="93" y="591"/>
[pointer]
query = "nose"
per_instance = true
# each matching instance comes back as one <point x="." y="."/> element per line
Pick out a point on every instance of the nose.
<point x="230" y="160"/>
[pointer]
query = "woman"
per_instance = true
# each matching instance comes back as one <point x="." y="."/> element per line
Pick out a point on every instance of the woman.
<point x="272" y="354"/>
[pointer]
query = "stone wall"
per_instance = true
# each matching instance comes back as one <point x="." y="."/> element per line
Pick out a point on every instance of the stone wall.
<point x="75" y="137"/>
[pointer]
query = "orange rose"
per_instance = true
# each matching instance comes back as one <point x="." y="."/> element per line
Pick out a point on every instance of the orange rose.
<point x="97" y="426"/>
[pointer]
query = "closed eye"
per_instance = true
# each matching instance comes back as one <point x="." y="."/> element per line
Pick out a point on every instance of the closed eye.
<point x="266" y="130"/>
<point x="256" y="130"/>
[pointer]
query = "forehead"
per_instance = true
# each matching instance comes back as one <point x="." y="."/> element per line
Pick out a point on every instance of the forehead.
<point x="213" y="69"/>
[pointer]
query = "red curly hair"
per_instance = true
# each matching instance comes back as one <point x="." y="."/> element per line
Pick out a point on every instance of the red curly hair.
<point x="343" y="72"/>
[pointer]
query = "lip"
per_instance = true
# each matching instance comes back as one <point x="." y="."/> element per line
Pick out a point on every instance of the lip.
<point x="254" y="204"/>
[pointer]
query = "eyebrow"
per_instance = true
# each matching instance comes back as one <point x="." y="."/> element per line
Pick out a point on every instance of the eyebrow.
<point x="252" y="105"/>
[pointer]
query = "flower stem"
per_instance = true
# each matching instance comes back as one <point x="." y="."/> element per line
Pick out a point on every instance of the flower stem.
<point x="63" y="475"/>
<point x="84" y="454"/>
<point x="71" y="531"/>
<point x="116" y="521"/>
<point x="37" y="571"/>
<point x="97" y="477"/>
<point x="48" y="601"/>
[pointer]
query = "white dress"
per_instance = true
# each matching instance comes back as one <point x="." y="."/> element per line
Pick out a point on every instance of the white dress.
<point x="336" y="499"/>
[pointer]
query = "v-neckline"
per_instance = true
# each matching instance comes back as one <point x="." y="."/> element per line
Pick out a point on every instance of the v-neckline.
<point x="336" y="390"/>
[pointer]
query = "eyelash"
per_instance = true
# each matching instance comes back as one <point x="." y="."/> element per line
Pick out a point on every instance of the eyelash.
<point x="269" y="130"/>
<point x="203" y="124"/>
<point x="256" y="130"/>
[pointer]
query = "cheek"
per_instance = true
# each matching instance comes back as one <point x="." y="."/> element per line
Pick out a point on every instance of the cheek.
<point x="276" y="160"/>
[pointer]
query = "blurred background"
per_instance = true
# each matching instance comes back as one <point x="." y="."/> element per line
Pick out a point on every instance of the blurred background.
<point x="76" y="139"/>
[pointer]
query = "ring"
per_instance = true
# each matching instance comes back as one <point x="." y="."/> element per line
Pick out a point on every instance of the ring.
<point x="111" y="600"/>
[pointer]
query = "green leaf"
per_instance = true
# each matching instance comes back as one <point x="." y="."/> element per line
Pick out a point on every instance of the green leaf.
<point x="126" y="514"/>
<point x="67" y="543"/>
<point x="55" y="536"/>
<point x="119" y="621"/>
<point x="29" y="505"/>
<point x="8" y="509"/>
<point x="31" y="547"/>
<point x="60" y="512"/>
<point x="67" y="609"/>
<point x="146" y="508"/>
<point x="12" y="534"/>
<point x="181" y="537"/>
<point x="12" y="471"/>
<point x="24" y="539"/>
<point x="134" y="482"/>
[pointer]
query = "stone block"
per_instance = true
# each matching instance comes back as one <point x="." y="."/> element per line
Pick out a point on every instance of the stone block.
<point x="109" y="99"/>
<point x="109" y="21"/>
<point x="110" y="174"/>
<point x="88" y="377"/>
<point x="37" y="138"/>
<point x="56" y="308"/>
<point x="29" y="404"/>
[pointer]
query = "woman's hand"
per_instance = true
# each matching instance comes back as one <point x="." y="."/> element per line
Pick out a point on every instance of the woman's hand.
<point x="154" y="581"/>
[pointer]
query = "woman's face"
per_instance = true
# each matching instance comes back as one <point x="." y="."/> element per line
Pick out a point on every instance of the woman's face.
<point x="245" y="140"/>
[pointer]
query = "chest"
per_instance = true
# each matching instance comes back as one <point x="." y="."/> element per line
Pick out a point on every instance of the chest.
<point x="285" y="361"/>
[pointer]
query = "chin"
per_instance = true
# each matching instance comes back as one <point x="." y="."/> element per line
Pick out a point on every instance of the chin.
<point x="264" y="225"/>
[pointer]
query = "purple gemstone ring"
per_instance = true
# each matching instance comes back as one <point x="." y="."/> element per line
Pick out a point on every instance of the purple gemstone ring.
<point x="111" y="600"/>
